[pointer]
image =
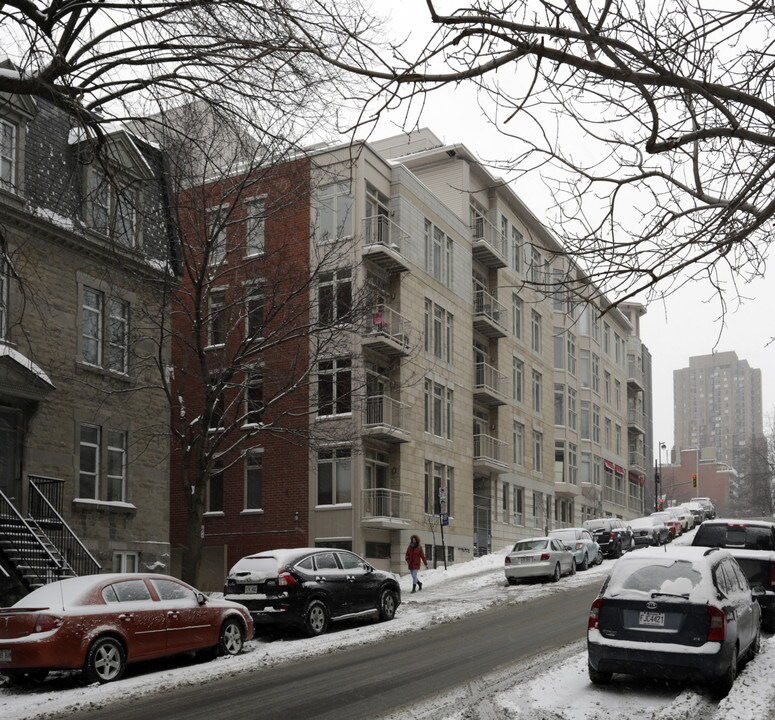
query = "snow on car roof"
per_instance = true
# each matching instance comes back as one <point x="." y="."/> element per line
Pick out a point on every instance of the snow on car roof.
<point x="277" y="558"/>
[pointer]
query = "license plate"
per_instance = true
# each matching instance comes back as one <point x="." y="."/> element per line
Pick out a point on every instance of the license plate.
<point x="5" y="656"/>
<point x="251" y="589"/>
<point x="652" y="619"/>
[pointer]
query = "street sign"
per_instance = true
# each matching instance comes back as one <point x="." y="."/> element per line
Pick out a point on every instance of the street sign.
<point x="444" y="518"/>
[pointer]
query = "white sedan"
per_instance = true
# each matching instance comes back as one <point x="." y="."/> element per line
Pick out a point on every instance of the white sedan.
<point x="539" y="557"/>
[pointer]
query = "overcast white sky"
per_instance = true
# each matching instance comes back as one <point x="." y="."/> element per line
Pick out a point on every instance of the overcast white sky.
<point x="685" y="324"/>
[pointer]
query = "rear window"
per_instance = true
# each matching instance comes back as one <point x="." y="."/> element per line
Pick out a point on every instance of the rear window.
<point x="595" y="524"/>
<point x="531" y="545"/>
<point x="750" y="537"/>
<point x="564" y="534"/>
<point x="672" y="577"/>
<point x="263" y="566"/>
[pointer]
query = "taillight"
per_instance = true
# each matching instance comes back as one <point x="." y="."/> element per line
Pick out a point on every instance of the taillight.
<point x="772" y="575"/>
<point x="545" y="556"/>
<point x="508" y="560"/>
<point x="717" y="624"/>
<point x="286" y="579"/>
<point x="579" y="545"/>
<point x="613" y="537"/>
<point x="45" y="623"/>
<point x="593" y="622"/>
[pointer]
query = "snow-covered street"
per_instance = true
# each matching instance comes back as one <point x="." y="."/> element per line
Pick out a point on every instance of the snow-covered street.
<point x="554" y="686"/>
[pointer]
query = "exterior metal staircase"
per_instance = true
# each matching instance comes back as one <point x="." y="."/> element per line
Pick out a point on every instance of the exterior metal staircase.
<point x="40" y="547"/>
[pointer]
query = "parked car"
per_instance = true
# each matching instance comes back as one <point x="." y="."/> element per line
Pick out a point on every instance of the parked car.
<point x="697" y="510"/>
<point x="684" y="516"/>
<point x="683" y="507"/>
<point x="649" y="531"/>
<point x="101" y="623"/>
<point x="613" y="535"/>
<point x="310" y="587"/>
<point x="689" y="613"/>
<point x="671" y="521"/>
<point x="707" y="503"/>
<point x="537" y="557"/>
<point x="581" y="543"/>
<point x="752" y="543"/>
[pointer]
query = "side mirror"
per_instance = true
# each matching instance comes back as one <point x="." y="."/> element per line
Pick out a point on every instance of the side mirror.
<point x="758" y="591"/>
<point x="200" y="598"/>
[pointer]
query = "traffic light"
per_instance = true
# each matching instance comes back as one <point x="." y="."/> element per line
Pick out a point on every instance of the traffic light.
<point x="694" y="480"/>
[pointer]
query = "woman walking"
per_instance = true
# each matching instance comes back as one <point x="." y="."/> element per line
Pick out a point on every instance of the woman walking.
<point x="415" y="556"/>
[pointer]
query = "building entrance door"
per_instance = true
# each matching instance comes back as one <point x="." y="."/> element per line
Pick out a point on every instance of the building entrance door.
<point x="10" y="455"/>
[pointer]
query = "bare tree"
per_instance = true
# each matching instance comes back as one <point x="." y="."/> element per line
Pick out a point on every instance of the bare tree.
<point x="651" y="121"/>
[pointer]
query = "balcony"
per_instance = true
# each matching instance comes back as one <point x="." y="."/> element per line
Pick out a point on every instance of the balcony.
<point x="636" y="421"/>
<point x="637" y="462"/>
<point x="489" y="454"/>
<point x="489" y="385"/>
<point x="386" y="332"/>
<point x="382" y="243"/>
<point x="384" y="509"/>
<point x="634" y="373"/>
<point x="488" y="244"/>
<point x="489" y="315"/>
<point x="566" y="490"/>
<point x="385" y="419"/>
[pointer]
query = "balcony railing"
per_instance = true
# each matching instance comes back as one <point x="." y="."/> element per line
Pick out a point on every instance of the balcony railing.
<point x="387" y="331"/>
<point x="384" y="503"/>
<point x="635" y="372"/>
<point x="386" y="418"/>
<point x="489" y="315"/>
<point x="489" y="384"/>
<point x="637" y="459"/>
<point x="636" y="418"/>
<point x="384" y="242"/>
<point x="489" y="244"/>
<point x="489" y="451"/>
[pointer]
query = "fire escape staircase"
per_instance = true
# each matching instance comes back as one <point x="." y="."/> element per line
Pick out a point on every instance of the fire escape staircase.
<point x="39" y="548"/>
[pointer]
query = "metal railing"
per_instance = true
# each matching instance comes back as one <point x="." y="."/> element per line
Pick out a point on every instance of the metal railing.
<point x="490" y="448"/>
<point x="637" y="459"/>
<point x="385" y="321"/>
<point x="485" y="304"/>
<point x="385" y="503"/>
<point x="636" y="417"/>
<point x="384" y="410"/>
<point x="487" y="377"/>
<point x="381" y="230"/>
<point x="73" y="551"/>
<point x="483" y="230"/>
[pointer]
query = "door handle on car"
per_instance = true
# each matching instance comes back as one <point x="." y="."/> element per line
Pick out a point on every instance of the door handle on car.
<point x="125" y="616"/>
<point x="172" y="613"/>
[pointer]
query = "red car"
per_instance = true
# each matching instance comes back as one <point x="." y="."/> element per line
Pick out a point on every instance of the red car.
<point x="101" y="623"/>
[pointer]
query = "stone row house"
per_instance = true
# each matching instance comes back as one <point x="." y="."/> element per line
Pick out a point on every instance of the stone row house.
<point x="86" y="235"/>
<point x="455" y="386"/>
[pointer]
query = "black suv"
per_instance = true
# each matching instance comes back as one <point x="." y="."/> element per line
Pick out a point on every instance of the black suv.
<point x="752" y="544"/>
<point x="613" y="535"/>
<point x="309" y="587"/>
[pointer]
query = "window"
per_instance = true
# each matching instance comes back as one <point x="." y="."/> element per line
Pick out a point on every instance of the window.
<point x="116" y="475"/>
<point x="335" y="212"/>
<point x="618" y="394"/>
<point x="618" y="347"/>
<point x="335" y="296"/>
<point x="584" y="368"/>
<point x="518" y="505"/>
<point x="254" y="396"/>
<point x="518" y="443"/>
<point x="596" y="423"/>
<point x="586" y="468"/>
<point x="254" y="312"/>
<point x="334" y="387"/>
<point x="438" y="331"/>
<point x="535" y="326"/>
<point x="595" y="322"/>
<point x="254" y="226"/>
<point x="3" y="298"/>
<point x="89" y="468"/>
<point x="518" y="379"/>
<point x="538" y="508"/>
<point x="128" y="591"/>
<point x="572" y="417"/>
<point x="606" y="338"/>
<point x="254" y="480"/>
<point x="516" y="315"/>
<point x="585" y="420"/>
<point x="505" y="502"/>
<point x="618" y="439"/>
<point x="216" y="326"/>
<point x="218" y="405"/>
<point x="124" y="561"/>
<point x="439" y="477"/>
<point x="536" y="266"/>
<point x="334" y="476"/>
<point x="608" y="427"/>
<point x="607" y="387"/>
<point x="438" y="254"/>
<point x="558" y="294"/>
<point x="95" y="345"/>
<point x="571" y="343"/>
<point x="595" y="373"/>
<point x="216" y="236"/>
<point x="538" y="451"/>
<point x="516" y="249"/>
<point x="559" y="404"/>
<point x="559" y="349"/>
<point x="214" y="499"/>
<point x="573" y="464"/>
<point x="438" y="408"/>
<point x="8" y="151"/>
<point x="536" y="391"/>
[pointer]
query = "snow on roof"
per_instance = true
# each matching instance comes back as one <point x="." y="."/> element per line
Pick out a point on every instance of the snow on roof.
<point x="7" y="351"/>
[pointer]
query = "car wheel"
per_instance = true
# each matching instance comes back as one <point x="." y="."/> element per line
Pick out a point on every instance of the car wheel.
<point x="618" y="550"/>
<point x="599" y="556"/>
<point x="727" y="680"/>
<point x="387" y="605"/>
<point x="557" y="573"/>
<point x="316" y="618"/>
<point x="105" y="661"/>
<point x="232" y="638"/>
<point x="572" y="570"/>
<point x="756" y="644"/>
<point x="599" y="678"/>
<point x="584" y="563"/>
<point x="512" y="580"/>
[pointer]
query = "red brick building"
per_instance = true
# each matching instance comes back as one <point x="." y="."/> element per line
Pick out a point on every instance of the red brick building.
<point x="714" y="479"/>
<point x="240" y="353"/>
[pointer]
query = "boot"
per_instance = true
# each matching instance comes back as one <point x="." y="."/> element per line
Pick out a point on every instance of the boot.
<point x="413" y="587"/>
<point x="419" y="584"/>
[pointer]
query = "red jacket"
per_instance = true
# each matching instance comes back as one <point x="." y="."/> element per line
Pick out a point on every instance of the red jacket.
<point x="415" y="556"/>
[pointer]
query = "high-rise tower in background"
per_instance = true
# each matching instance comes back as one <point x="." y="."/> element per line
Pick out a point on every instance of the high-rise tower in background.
<point x="718" y="403"/>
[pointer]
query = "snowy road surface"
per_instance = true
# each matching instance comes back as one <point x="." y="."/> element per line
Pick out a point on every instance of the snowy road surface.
<point x="551" y="687"/>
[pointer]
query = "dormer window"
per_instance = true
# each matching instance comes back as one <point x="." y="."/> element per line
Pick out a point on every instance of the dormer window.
<point x="112" y="206"/>
<point x="15" y="112"/>
<point x="8" y="154"/>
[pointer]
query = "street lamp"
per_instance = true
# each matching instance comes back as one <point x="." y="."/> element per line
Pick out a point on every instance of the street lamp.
<point x="658" y="476"/>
